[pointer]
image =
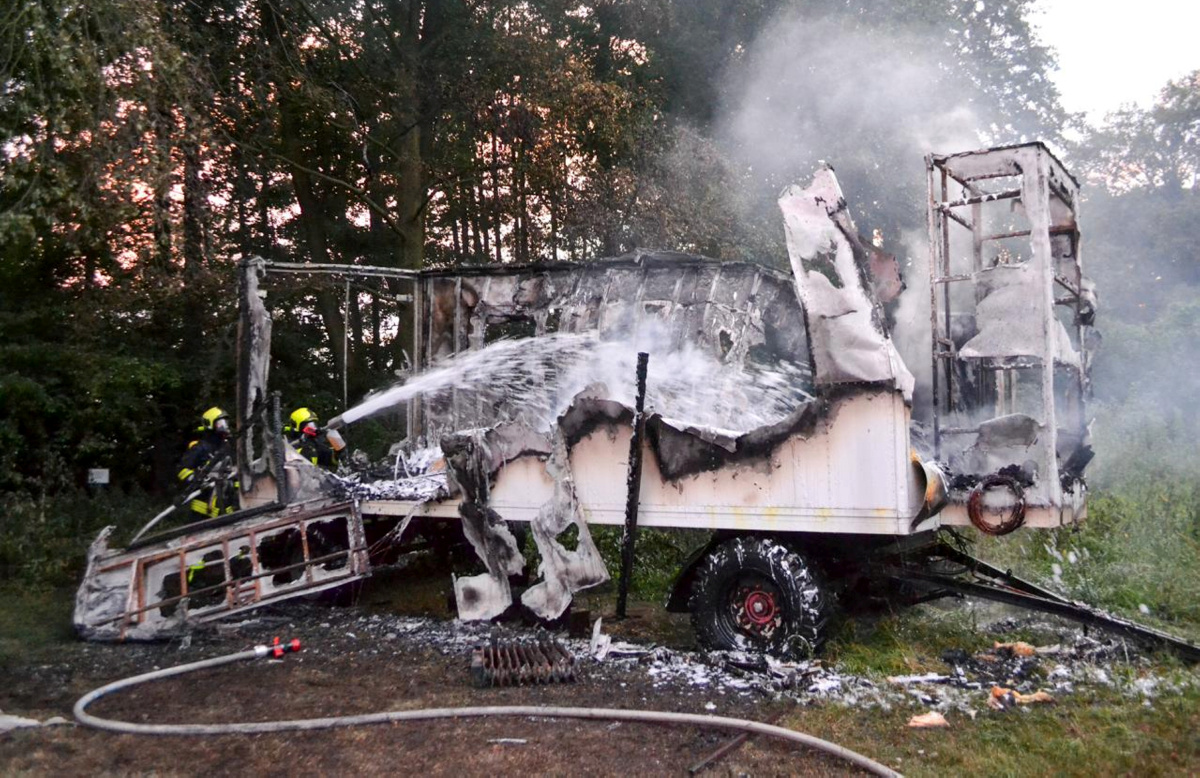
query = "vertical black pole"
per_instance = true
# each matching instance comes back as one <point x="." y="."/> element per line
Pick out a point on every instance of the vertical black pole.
<point x="282" y="490"/>
<point x="243" y="408"/>
<point x="633" y="484"/>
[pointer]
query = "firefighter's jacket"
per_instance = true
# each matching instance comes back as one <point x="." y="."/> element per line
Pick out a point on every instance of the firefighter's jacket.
<point x="220" y="492"/>
<point x="316" y="449"/>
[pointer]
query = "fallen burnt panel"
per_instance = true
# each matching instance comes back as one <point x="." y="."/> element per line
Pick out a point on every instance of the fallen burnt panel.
<point x="163" y="588"/>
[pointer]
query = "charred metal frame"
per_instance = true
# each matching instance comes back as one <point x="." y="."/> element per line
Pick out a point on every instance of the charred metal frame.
<point x="1047" y="196"/>
<point x="141" y="567"/>
<point x="440" y="333"/>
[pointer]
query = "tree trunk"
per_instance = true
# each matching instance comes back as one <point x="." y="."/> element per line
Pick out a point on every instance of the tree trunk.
<point x="162" y="183"/>
<point x="496" y="197"/>
<point x="195" y="216"/>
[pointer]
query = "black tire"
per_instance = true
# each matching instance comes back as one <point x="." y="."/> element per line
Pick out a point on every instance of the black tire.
<point x="757" y="594"/>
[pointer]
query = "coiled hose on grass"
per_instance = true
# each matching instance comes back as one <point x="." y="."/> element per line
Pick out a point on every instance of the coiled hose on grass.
<point x="329" y="722"/>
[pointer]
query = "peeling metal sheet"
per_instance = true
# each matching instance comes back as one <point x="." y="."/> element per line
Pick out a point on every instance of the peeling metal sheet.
<point x="563" y="571"/>
<point x="847" y="335"/>
<point x="473" y="458"/>
<point x="1009" y="318"/>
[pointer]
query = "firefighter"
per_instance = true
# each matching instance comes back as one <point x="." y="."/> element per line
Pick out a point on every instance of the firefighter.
<point x="304" y="434"/>
<point x="205" y="463"/>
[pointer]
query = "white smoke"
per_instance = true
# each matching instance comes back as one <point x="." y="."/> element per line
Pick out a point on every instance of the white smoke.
<point x="862" y="98"/>
<point x="873" y="104"/>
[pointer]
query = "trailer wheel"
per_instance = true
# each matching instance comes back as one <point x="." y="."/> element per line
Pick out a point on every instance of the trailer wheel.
<point x="758" y="594"/>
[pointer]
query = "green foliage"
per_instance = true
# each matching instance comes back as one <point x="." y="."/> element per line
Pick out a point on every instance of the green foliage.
<point x="658" y="557"/>
<point x="908" y="642"/>
<point x="1138" y="552"/>
<point x="1140" y="251"/>
<point x="1150" y="148"/>
<point x="44" y="541"/>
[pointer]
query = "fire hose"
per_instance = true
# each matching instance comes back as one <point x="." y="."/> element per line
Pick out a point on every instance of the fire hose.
<point x="277" y="650"/>
<point x="1015" y="518"/>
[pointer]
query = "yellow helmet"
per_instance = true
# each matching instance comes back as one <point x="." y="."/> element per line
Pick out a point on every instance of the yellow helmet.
<point x="214" y="419"/>
<point x="301" y="416"/>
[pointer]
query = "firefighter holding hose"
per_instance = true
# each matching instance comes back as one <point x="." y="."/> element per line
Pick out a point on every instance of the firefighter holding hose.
<point x="206" y="463"/>
<point x="317" y="446"/>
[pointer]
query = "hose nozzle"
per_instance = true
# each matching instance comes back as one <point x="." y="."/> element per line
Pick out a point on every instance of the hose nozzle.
<point x="278" y="648"/>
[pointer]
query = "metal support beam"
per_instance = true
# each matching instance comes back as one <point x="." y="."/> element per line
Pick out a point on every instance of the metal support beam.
<point x="634" y="485"/>
<point x="362" y="271"/>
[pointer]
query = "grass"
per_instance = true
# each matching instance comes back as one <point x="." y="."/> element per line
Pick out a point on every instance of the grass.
<point x="911" y="641"/>
<point x="1095" y="732"/>
<point x="33" y="623"/>
<point x="1137" y="554"/>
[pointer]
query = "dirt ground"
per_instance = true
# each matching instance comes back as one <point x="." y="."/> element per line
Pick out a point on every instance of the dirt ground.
<point x="354" y="663"/>
<point x="1115" y="709"/>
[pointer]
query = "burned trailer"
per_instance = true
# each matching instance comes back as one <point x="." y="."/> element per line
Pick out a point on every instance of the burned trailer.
<point x="841" y="477"/>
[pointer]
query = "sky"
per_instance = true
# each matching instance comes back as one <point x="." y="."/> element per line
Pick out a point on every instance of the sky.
<point x="1113" y="53"/>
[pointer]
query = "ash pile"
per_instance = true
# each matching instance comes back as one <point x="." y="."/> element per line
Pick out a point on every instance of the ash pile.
<point x="1006" y="674"/>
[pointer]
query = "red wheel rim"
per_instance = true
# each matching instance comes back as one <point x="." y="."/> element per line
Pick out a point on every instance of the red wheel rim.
<point x="760" y="607"/>
<point x="755" y="608"/>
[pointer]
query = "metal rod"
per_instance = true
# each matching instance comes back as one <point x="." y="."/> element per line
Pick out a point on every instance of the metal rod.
<point x="1065" y="284"/>
<point x="955" y="217"/>
<point x="282" y="488"/>
<point x="1027" y="233"/>
<point x="633" y="484"/>
<point x="1074" y="611"/>
<point x="1012" y="194"/>
<point x="333" y="269"/>
<point x="933" y="218"/>
<point x="346" y="349"/>
<point x="946" y="291"/>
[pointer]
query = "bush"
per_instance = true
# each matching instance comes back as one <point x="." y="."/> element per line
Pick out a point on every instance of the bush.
<point x="44" y="541"/>
<point x="658" y="555"/>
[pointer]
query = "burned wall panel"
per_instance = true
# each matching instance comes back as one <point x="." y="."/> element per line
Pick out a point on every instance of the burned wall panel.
<point x="735" y="311"/>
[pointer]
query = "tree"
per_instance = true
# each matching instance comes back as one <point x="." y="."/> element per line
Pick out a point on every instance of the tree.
<point x="1140" y="149"/>
<point x="1138" y="225"/>
<point x="151" y="145"/>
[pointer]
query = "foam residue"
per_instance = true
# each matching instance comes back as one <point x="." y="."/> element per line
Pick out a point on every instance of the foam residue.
<point x="534" y="380"/>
